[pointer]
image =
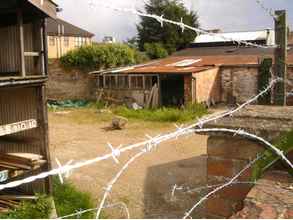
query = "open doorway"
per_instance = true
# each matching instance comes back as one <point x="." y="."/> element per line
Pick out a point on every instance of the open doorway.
<point x="172" y="90"/>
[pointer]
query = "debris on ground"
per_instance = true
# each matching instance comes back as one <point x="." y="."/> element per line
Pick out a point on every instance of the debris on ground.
<point x="118" y="123"/>
<point x="67" y="104"/>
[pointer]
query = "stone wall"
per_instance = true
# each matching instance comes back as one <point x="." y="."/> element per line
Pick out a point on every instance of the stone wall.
<point x="69" y="84"/>
<point x="238" y="83"/>
<point x="241" y="83"/>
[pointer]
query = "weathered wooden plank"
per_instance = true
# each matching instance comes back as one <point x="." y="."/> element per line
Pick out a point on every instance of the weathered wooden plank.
<point x="46" y="6"/>
<point x="18" y="127"/>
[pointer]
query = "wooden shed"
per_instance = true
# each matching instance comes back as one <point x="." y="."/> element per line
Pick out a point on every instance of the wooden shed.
<point x="23" y="112"/>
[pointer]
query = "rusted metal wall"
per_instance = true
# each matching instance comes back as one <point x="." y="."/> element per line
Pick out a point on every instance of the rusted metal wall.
<point x="20" y="104"/>
<point x="10" y="49"/>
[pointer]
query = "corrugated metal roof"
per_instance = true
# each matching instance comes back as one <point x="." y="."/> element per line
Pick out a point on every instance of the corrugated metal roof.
<point x="207" y="58"/>
<point x="265" y="35"/>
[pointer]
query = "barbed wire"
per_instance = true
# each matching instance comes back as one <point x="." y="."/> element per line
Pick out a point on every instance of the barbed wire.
<point x="81" y="212"/>
<point x="241" y="132"/>
<point x="187" y="189"/>
<point x="151" y="143"/>
<point x="269" y="11"/>
<point x="188" y="214"/>
<point x="180" y="24"/>
<point x="115" y="179"/>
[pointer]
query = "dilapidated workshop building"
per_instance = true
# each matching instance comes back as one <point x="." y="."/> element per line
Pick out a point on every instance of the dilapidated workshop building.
<point x="209" y="74"/>
<point x="23" y="115"/>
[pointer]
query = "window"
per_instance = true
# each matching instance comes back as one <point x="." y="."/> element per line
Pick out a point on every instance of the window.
<point x="137" y="82"/>
<point x="110" y="82"/>
<point x="66" y="41"/>
<point x="78" y="41"/>
<point x="51" y="41"/>
<point x="123" y="82"/>
<point x="100" y="82"/>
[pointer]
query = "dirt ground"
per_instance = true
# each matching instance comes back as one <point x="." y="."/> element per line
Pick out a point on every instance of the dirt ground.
<point x="147" y="184"/>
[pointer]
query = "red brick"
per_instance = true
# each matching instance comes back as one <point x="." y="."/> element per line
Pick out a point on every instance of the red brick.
<point x="233" y="147"/>
<point x="235" y="192"/>
<point x="219" y="167"/>
<point x="222" y="207"/>
<point x="288" y="214"/>
<point x="268" y="212"/>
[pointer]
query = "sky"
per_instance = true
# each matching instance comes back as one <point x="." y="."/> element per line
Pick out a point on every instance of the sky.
<point x="227" y="15"/>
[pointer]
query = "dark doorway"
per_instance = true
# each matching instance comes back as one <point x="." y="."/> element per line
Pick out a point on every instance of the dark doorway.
<point x="172" y="90"/>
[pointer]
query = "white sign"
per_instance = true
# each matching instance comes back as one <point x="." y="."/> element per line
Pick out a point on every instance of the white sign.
<point x="3" y="175"/>
<point x="17" y="127"/>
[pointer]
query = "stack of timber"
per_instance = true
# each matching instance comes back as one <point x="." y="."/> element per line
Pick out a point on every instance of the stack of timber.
<point x="16" y="164"/>
<point x="11" y="202"/>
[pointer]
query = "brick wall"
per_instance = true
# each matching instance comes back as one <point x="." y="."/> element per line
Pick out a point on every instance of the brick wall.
<point x="68" y="84"/>
<point x="208" y="86"/>
<point x="187" y="88"/>
<point x="226" y="157"/>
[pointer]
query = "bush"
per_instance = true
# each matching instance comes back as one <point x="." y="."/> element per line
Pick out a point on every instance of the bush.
<point x="40" y="209"/>
<point x="155" y="50"/>
<point x="285" y="144"/>
<point x="69" y="200"/>
<point x="191" y="112"/>
<point x="101" y="56"/>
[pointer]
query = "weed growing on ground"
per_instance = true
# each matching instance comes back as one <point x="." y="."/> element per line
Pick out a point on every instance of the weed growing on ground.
<point x="39" y="209"/>
<point x="190" y="112"/>
<point x="69" y="200"/>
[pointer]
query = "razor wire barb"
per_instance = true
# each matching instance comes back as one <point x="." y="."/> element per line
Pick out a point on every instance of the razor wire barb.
<point x="181" y="24"/>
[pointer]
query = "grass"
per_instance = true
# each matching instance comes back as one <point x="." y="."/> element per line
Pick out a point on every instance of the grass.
<point x="68" y="200"/>
<point x="285" y="144"/>
<point x="39" y="209"/>
<point x="191" y="112"/>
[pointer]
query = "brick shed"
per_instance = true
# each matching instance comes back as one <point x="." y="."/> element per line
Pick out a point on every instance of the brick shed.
<point x="179" y="81"/>
<point x="196" y="75"/>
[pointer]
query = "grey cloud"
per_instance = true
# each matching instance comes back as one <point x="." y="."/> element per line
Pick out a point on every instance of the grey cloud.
<point x="228" y="15"/>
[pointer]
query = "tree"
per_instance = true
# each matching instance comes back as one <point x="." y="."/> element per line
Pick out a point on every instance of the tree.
<point x="170" y="36"/>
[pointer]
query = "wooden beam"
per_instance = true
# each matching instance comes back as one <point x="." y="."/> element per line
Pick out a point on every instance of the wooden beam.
<point x="280" y="91"/>
<point x="45" y="46"/>
<point x="31" y="54"/>
<point x="21" y="42"/>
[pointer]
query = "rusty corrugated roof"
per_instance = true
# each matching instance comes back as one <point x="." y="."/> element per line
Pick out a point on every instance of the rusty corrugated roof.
<point x="206" y="58"/>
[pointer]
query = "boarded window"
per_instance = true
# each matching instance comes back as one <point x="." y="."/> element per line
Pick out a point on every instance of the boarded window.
<point x="137" y="82"/>
<point x="123" y="82"/>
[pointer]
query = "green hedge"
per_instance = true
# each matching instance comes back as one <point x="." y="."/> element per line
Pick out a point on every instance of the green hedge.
<point x="102" y="56"/>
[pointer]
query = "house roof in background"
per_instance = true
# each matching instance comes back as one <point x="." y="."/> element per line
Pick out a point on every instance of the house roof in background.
<point x="66" y="29"/>
<point x="264" y="35"/>
<point x="200" y="59"/>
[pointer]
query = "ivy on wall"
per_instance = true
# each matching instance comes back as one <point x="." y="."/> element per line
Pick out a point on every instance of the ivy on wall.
<point x="264" y="77"/>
